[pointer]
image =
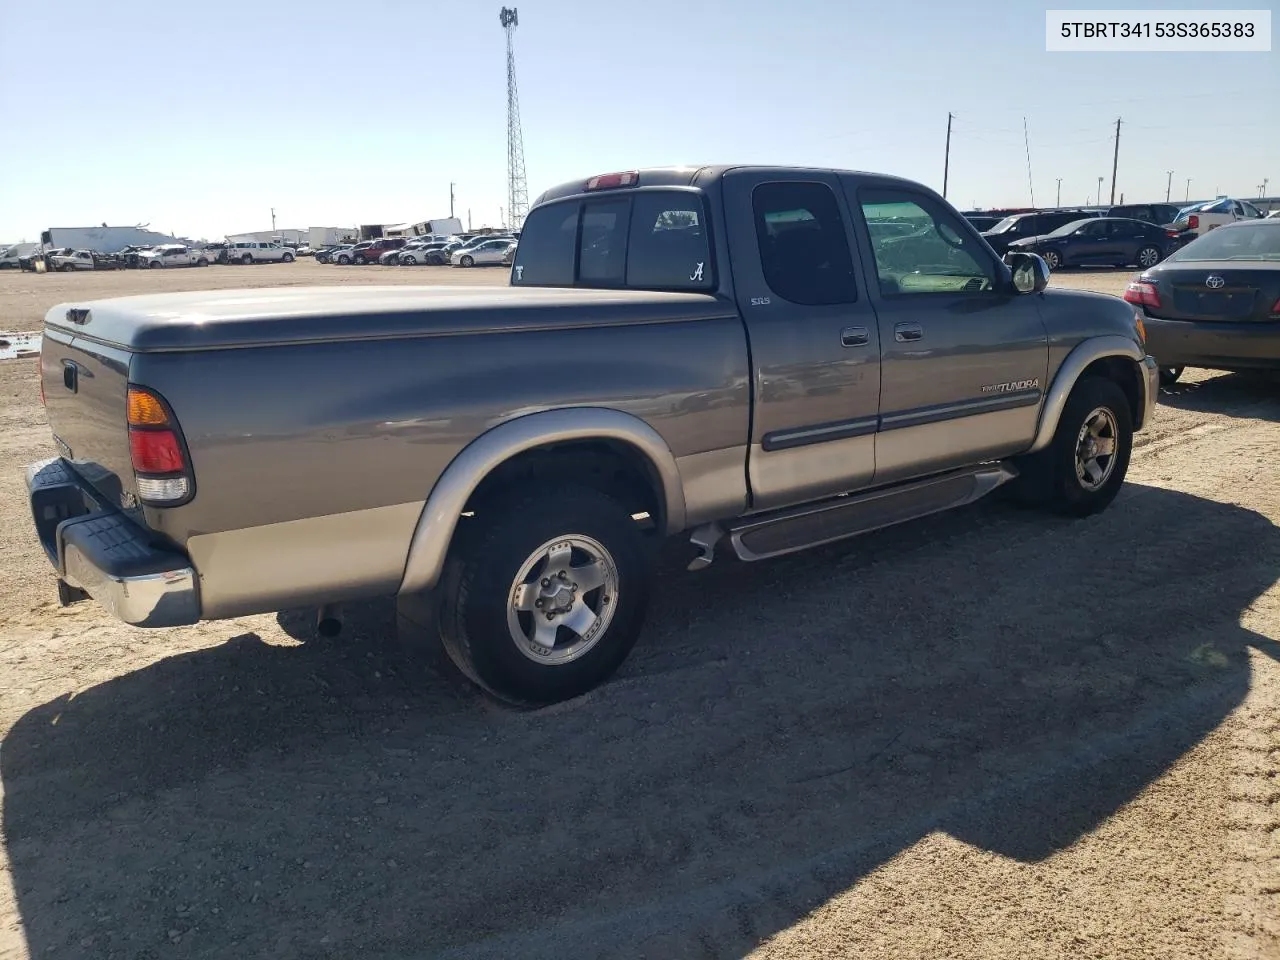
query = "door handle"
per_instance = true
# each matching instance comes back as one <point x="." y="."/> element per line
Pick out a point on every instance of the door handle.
<point x="854" y="337"/>
<point x="906" y="332"/>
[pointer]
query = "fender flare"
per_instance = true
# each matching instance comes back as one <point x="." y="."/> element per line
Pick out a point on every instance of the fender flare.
<point x="1064" y="381"/>
<point x="434" y="532"/>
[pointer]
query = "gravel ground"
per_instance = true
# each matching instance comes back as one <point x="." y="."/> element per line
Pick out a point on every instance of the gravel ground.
<point x="986" y="734"/>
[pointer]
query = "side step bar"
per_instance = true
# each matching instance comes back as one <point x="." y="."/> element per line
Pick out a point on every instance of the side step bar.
<point x="772" y="534"/>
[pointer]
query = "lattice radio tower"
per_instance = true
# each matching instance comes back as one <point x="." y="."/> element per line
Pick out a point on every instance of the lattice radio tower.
<point x="517" y="189"/>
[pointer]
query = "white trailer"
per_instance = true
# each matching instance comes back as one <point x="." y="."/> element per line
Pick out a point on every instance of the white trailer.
<point x="318" y="237"/>
<point x="444" y="227"/>
<point x="102" y="239"/>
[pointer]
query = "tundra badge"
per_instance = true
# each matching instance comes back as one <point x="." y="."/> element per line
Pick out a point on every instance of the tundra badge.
<point x="1012" y="386"/>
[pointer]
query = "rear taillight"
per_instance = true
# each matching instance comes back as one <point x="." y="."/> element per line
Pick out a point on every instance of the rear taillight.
<point x="159" y="456"/>
<point x="1275" y="308"/>
<point x="1193" y="222"/>
<point x="1172" y="233"/>
<point x="1142" y="293"/>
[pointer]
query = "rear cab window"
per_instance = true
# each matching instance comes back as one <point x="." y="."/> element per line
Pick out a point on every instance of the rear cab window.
<point x="644" y="239"/>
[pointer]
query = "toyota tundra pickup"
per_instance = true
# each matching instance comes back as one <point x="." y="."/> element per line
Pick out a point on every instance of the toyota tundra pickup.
<point x="739" y="355"/>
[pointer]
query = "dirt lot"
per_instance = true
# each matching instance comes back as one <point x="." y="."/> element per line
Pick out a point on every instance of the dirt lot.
<point x="987" y="734"/>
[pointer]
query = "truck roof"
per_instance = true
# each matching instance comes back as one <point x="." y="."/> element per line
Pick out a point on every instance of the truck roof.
<point x="686" y="176"/>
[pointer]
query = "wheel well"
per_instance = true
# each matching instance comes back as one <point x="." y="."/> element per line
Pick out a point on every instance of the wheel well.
<point x="613" y="467"/>
<point x="1126" y="375"/>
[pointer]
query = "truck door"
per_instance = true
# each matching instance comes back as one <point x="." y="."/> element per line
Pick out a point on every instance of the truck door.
<point x="964" y="356"/>
<point x="815" y="349"/>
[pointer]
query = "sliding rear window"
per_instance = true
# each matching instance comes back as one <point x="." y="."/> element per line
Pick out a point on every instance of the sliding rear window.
<point x="647" y="240"/>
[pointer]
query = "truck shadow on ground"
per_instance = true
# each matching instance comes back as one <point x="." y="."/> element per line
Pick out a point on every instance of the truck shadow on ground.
<point x="782" y="729"/>
<point x="1253" y="394"/>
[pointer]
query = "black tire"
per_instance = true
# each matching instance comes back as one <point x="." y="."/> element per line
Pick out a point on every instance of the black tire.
<point x="1053" y="259"/>
<point x="1169" y="376"/>
<point x="1148" y="257"/>
<point x="202" y="262"/>
<point x="344" y="259"/>
<point x="156" y="264"/>
<point x="466" y="261"/>
<point x="479" y="578"/>
<point x="1049" y="479"/>
<point x="288" y="258"/>
<point x="247" y="259"/>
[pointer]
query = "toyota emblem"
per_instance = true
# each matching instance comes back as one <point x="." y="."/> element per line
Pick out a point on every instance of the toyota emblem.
<point x="1214" y="282"/>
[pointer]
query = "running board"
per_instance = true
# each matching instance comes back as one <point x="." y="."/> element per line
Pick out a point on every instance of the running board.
<point x="797" y="528"/>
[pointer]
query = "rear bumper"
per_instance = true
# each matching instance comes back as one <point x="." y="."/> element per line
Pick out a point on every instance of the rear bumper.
<point x="1218" y="345"/>
<point x="102" y="552"/>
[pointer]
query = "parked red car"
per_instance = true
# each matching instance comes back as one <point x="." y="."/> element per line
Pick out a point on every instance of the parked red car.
<point x="377" y="248"/>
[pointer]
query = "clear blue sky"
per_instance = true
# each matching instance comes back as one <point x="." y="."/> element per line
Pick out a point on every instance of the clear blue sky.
<point x="200" y="117"/>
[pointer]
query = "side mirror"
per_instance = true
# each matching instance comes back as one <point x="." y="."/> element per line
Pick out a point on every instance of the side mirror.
<point x="1030" y="272"/>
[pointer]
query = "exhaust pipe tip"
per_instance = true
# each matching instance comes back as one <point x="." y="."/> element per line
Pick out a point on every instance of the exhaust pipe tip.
<point x="329" y="621"/>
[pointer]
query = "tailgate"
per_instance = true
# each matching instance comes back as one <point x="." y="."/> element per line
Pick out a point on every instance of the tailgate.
<point x="85" y="389"/>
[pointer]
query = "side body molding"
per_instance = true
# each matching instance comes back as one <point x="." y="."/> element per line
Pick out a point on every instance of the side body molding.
<point x="1083" y="354"/>
<point x="448" y="498"/>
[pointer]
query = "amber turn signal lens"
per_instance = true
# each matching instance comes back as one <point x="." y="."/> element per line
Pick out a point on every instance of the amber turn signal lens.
<point x="145" y="410"/>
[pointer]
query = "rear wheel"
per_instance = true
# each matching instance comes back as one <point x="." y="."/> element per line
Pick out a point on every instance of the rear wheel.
<point x="1148" y="256"/>
<point x="155" y="264"/>
<point x="545" y="597"/>
<point x="1169" y="376"/>
<point x="1084" y="466"/>
<point x="247" y="259"/>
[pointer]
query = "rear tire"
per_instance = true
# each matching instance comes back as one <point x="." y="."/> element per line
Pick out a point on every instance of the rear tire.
<point x="506" y="560"/>
<point x="155" y="264"/>
<point x="1075" y="475"/>
<point x="247" y="259"/>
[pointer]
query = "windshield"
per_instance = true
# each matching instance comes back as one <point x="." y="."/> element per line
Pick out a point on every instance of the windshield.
<point x="1068" y="228"/>
<point x="1247" y="241"/>
<point x="1003" y="225"/>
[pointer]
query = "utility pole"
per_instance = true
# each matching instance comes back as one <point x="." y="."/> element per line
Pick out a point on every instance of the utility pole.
<point x="1115" y="162"/>
<point x="1098" y="199"/>
<point x="946" y="162"/>
<point x="502" y="223"/>
<point x="468" y="220"/>
<point x="1187" y="196"/>
<point x="273" y="219"/>
<point x="1168" y="187"/>
<point x="451" y="186"/>
<point x="1265" y="181"/>
<point x="1026" y="138"/>
<point x="1058" y="201"/>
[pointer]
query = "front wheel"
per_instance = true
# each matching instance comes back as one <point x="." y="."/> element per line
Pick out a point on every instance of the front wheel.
<point x="247" y="259"/>
<point x="467" y="262"/>
<point x="1148" y="257"/>
<point x="545" y="596"/>
<point x="1053" y="259"/>
<point x="155" y="264"/>
<point x="344" y="260"/>
<point x="1169" y="376"/>
<point x="287" y="258"/>
<point x="1084" y="466"/>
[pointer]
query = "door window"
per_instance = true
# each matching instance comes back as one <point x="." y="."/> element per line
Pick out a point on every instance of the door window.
<point x="938" y="256"/>
<point x="804" y="246"/>
<point x="1095" y="229"/>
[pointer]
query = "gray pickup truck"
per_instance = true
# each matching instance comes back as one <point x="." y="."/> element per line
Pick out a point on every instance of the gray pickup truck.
<point x="761" y="359"/>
